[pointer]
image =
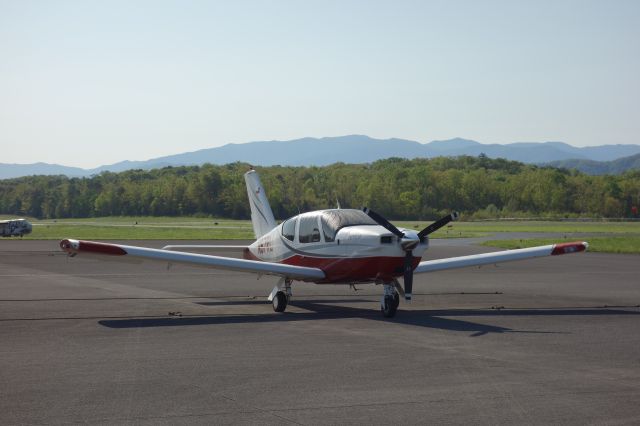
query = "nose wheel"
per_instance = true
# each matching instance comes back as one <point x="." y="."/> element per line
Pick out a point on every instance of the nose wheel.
<point x="390" y="301"/>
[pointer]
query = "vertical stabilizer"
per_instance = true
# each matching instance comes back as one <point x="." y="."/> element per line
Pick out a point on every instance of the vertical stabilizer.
<point x="261" y="214"/>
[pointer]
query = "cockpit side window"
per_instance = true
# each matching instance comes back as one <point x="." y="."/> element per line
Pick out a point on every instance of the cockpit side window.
<point x="308" y="231"/>
<point x="289" y="228"/>
<point x="328" y="230"/>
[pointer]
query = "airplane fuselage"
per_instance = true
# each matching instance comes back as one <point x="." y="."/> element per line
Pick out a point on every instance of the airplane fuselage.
<point x="345" y="244"/>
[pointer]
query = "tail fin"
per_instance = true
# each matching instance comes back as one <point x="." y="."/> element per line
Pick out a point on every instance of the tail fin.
<point x="261" y="214"/>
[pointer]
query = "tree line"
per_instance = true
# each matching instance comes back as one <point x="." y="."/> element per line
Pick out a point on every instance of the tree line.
<point x="419" y="189"/>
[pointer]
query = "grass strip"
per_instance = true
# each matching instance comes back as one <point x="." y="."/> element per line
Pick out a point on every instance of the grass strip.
<point x="624" y="245"/>
<point x="137" y="232"/>
<point x="198" y="228"/>
<point x="535" y="226"/>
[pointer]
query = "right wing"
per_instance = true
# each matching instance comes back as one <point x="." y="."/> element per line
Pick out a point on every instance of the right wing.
<point x="499" y="257"/>
<point x="123" y="252"/>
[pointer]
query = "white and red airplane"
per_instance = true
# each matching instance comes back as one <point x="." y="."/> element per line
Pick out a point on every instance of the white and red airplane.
<point x="337" y="246"/>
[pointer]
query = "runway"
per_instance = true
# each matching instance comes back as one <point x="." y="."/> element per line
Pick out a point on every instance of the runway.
<point x="546" y="341"/>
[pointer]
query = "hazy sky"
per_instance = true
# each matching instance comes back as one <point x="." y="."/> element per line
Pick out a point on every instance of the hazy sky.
<point x="86" y="83"/>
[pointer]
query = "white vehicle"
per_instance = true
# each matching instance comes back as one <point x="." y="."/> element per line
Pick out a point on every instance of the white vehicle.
<point x="337" y="246"/>
<point x="15" y="227"/>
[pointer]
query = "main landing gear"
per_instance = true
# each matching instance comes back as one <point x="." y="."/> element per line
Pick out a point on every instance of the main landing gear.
<point x="390" y="301"/>
<point x="280" y="301"/>
<point x="280" y="295"/>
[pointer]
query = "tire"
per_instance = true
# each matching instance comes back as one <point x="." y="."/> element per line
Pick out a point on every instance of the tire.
<point x="280" y="302"/>
<point x="390" y="306"/>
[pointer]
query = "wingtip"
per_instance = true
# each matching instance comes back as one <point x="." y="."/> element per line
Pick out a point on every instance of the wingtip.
<point x="74" y="246"/>
<point x="68" y="245"/>
<point x="566" y="248"/>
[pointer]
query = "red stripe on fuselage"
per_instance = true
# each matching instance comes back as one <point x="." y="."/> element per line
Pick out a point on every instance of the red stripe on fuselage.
<point x="349" y="269"/>
<point x="365" y="269"/>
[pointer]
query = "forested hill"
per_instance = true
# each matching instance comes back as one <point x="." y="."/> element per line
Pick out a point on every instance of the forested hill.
<point x="591" y="167"/>
<point x="397" y="188"/>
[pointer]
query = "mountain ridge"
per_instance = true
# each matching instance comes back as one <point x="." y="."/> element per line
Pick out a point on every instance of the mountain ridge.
<point x="310" y="151"/>
<point x="592" y="167"/>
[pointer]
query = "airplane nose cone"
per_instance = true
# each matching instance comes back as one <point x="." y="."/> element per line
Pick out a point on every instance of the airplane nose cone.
<point x="409" y="243"/>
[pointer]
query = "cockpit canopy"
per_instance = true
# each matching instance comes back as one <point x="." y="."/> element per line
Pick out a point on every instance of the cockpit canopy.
<point x="333" y="220"/>
<point x="329" y="221"/>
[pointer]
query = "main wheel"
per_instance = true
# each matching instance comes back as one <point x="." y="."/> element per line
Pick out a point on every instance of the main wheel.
<point x="396" y="300"/>
<point x="280" y="302"/>
<point x="390" y="306"/>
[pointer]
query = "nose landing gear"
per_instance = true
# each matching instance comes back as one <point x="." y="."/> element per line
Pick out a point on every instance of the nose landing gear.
<point x="390" y="301"/>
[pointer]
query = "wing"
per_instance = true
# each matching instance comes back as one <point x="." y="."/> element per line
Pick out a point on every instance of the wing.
<point x="124" y="253"/>
<point x="204" y="248"/>
<point x="500" y="256"/>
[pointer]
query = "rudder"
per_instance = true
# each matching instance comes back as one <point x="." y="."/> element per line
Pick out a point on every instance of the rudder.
<point x="261" y="214"/>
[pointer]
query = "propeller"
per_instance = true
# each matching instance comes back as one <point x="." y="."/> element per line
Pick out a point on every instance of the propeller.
<point x="408" y="242"/>
<point x="437" y="225"/>
<point x="383" y="222"/>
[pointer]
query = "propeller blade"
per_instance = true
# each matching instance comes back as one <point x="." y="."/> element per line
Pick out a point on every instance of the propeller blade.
<point x="383" y="222"/>
<point x="408" y="275"/>
<point x="438" y="224"/>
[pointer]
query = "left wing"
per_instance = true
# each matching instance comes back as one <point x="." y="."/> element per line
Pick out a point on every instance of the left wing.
<point x="204" y="248"/>
<point x="124" y="253"/>
<point x="499" y="256"/>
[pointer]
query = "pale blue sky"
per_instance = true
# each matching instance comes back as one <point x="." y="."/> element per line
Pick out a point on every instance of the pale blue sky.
<point x="86" y="83"/>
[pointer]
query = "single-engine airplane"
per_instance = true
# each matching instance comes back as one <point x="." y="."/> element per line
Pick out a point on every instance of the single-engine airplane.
<point x="336" y="246"/>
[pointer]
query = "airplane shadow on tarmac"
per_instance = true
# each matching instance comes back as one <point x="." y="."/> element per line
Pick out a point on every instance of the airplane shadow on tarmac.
<point x="434" y="319"/>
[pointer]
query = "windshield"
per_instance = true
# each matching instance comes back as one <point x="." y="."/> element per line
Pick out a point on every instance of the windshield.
<point x="333" y="220"/>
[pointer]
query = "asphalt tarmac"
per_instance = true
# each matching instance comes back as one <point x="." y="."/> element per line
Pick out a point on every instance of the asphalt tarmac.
<point x="545" y="341"/>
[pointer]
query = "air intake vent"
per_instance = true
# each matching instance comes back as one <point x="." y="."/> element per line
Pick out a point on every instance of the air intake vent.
<point x="387" y="239"/>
